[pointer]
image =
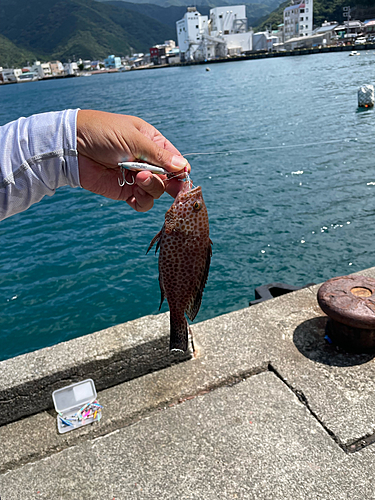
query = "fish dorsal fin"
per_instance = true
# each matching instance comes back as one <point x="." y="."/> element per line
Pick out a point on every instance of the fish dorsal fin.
<point x="195" y="303"/>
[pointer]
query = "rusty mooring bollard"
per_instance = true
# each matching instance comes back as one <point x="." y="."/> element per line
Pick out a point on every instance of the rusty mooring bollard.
<point x="349" y="302"/>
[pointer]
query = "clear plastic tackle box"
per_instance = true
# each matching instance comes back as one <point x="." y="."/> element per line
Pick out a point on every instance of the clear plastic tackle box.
<point x="76" y="405"/>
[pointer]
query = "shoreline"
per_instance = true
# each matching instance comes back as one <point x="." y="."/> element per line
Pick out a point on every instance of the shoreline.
<point x="287" y="53"/>
<point x="247" y="57"/>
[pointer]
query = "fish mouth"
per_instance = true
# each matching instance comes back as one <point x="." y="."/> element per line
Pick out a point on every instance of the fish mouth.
<point x="192" y="192"/>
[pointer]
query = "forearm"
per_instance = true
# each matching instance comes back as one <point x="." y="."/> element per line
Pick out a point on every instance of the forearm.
<point x="37" y="155"/>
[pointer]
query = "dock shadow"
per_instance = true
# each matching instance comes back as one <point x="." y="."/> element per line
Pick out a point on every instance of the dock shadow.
<point x="309" y="339"/>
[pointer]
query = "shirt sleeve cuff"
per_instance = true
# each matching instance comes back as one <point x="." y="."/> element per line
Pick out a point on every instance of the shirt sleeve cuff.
<point x="71" y="170"/>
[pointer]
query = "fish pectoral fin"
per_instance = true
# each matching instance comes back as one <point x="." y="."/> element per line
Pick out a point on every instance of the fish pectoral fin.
<point x="195" y="303"/>
<point x="154" y="240"/>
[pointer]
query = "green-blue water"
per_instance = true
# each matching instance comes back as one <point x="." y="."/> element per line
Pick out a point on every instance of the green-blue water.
<point x="75" y="263"/>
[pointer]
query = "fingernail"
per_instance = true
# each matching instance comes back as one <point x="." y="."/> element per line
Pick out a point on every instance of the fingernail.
<point x="179" y="161"/>
<point x="147" y="182"/>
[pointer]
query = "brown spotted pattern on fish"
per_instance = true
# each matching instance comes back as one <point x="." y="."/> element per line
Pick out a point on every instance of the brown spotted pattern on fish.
<point x="184" y="260"/>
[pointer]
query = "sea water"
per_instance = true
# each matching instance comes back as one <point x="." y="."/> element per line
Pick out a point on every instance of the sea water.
<point x="296" y="207"/>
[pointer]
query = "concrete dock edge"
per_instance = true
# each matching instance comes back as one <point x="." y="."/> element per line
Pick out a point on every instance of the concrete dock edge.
<point x="109" y="357"/>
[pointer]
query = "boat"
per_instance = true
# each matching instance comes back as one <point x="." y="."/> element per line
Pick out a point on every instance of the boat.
<point x="354" y="53"/>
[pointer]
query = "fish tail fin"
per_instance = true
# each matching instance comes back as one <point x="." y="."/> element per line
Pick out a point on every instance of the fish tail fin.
<point x="179" y="334"/>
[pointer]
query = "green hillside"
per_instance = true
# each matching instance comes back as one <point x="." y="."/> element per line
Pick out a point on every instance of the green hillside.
<point x="324" y="10"/>
<point x="333" y="10"/>
<point x="169" y="15"/>
<point x="273" y="19"/>
<point x="269" y="5"/>
<point x="11" y="55"/>
<point x="165" y="15"/>
<point x="83" y="28"/>
<point x="63" y="29"/>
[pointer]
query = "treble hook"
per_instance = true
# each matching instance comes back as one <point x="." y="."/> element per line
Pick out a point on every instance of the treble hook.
<point x="124" y="181"/>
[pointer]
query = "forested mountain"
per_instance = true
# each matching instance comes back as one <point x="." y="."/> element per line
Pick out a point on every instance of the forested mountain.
<point x="83" y="28"/>
<point x="325" y="10"/>
<point x="11" y="55"/>
<point x="269" y="5"/>
<point x="169" y="15"/>
<point x="62" y="29"/>
<point x="165" y="15"/>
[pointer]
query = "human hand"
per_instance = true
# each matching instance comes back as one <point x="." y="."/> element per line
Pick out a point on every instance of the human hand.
<point x="105" y="139"/>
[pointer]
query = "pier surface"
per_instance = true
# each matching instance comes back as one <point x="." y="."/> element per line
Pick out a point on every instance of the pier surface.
<point x="262" y="407"/>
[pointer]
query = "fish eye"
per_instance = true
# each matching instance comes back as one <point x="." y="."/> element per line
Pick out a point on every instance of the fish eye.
<point x="197" y="206"/>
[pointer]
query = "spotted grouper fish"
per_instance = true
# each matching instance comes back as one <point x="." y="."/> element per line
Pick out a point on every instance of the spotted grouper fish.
<point x="184" y="260"/>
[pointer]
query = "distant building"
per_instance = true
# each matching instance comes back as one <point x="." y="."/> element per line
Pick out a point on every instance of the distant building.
<point x="328" y="30"/>
<point x="94" y="65"/>
<point x="57" y="68"/>
<point x="70" y="68"/>
<point x="304" y="42"/>
<point x="230" y="23"/>
<point x="264" y="40"/>
<point x="279" y="32"/>
<point x="225" y="33"/>
<point x="228" y="20"/>
<point x="27" y="76"/>
<point x="173" y="56"/>
<point x="43" y="70"/>
<point x="112" y="62"/>
<point x="170" y="45"/>
<point x="298" y="19"/>
<point x="10" y="75"/>
<point x="138" y="60"/>
<point x="158" y="54"/>
<point x="260" y="40"/>
<point x="190" y="31"/>
<point x="369" y="26"/>
<point x="350" y="29"/>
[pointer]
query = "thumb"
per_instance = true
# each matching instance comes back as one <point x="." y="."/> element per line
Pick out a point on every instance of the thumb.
<point x="149" y="151"/>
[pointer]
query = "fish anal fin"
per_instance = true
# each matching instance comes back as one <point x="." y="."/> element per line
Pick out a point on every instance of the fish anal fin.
<point x="194" y="305"/>
<point x="162" y="291"/>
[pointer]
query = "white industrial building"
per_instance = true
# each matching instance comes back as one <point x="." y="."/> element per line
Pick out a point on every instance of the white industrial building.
<point x="9" y="75"/>
<point x="298" y="19"/>
<point x="71" y="68"/>
<point x="190" y="31"/>
<point x="264" y="41"/>
<point x="230" y="23"/>
<point x="225" y="33"/>
<point x="41" y="69"/>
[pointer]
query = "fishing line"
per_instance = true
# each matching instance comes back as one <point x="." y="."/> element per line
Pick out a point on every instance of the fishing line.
<point x="186" y="177"/>
<point x="269" y="147"/>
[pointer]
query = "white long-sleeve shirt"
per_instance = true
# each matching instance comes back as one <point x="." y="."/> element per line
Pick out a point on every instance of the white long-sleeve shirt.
<point x="37" y="155"/>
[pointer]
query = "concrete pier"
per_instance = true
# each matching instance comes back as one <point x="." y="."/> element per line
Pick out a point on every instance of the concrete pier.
<point x="262" y="407"/>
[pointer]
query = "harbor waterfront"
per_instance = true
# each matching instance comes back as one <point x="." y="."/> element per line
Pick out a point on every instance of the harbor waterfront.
<point x="290" y="198"/>
<point x="249" y="57"/>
